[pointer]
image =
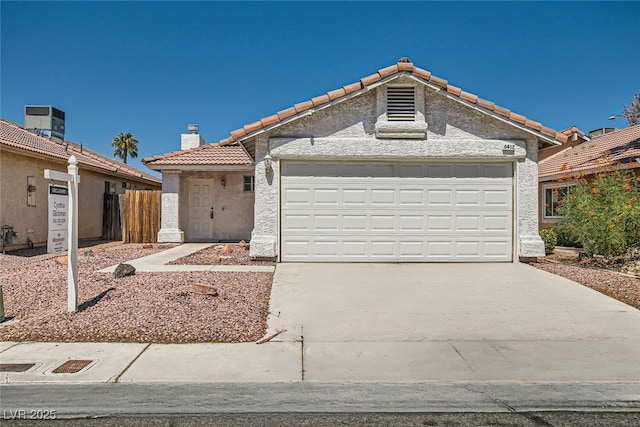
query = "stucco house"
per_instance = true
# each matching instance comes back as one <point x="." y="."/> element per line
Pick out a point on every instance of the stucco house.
<point x="23" y="189"/>
<point x="615" y="149"/>
<point x="400" y="166"/>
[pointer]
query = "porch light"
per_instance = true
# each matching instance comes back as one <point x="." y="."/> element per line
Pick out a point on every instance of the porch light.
<point x="268" y="166"/>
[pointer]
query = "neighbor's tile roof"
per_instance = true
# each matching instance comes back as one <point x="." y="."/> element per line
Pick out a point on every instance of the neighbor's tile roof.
<point x="618" y="147"/>
<point x="210" y="154"/>
<point x="13" y="135"/>
<point x="404" y="65"/>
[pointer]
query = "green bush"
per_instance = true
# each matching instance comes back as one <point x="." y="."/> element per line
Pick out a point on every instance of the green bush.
<point x="565" y="236"/>
<point x="604" y="214"/>
<point x="550" y="239"/>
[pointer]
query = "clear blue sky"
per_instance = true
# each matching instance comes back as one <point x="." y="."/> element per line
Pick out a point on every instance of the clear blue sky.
<point x="150" y="68"/>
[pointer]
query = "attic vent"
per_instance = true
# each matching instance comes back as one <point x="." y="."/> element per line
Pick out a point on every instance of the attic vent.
<point x="401" y="104"/>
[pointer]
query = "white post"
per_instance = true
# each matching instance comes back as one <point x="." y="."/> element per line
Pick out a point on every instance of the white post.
<point x="72" y="264"/>
<point x="72" y="231"/>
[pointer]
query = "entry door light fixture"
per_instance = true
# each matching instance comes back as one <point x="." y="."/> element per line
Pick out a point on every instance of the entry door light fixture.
<point x="268" y="163"/>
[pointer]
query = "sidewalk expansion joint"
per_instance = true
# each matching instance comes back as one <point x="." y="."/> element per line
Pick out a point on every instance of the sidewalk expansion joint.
<point x="116" y="379"/>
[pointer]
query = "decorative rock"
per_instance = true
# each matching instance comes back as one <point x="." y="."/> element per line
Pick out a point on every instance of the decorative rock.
<point x="62" y="260"/>
<point x="218" y="247"/>
<point x="89" y="253"/>
<point x="214" y="258"/>
<point x="205" y="289"/>
<point x="147" y="246"/>
<point x="123" y="270"/>
<point x="227" y="249"/>
<point x="242" y="244"/>
<point x="98" y="250"/>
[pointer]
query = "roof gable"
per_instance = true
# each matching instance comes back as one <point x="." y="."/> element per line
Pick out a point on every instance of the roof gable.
<point x="403" y="68"/>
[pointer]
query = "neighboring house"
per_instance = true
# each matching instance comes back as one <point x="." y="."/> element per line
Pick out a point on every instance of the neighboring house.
<point x="612" y="150"/>
<point x="399" y="166"/>
<point x="23" y="189"/>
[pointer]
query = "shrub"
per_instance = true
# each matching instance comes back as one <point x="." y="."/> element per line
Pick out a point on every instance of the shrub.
<point x="550" y="239"/>
<point x="565" y="236"/>
<point x="604" y="214"/>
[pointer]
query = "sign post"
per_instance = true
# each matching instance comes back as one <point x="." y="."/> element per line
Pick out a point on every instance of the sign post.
<point x="72" y="228"/>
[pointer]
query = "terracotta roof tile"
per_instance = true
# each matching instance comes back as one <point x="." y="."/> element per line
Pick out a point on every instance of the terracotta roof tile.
<point x="373" y="78"/>
<point x="268" y="121"/>
<point x="469" y="97"/>
<point x="320" y="100"/>
<point x="253" y="127"/>
<point x="388" y="71"/>
<point x="303" y="106"/>
<point x="353" y="87"/>
<point x="438" y="81"/>
<point x="13" y="135"/>
<point x="210" y="154"/>
<point x="335" y="94"/>
<point x="453" y="90"/>
<point x="404" y="65"/>
<point x="285" y="114"/>
<point x="621" y="147"/>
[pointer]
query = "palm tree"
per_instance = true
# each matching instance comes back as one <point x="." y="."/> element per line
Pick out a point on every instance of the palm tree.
<point x="125" y="145"/>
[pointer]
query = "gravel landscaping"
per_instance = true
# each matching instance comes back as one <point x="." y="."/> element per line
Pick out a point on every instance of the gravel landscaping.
<point x="145" y="307"/>
<point x="622" y="287"/>
<point x="224" y="254"/>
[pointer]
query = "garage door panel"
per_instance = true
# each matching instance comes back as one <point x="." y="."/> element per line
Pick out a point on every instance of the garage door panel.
<point x="365" y="211"/>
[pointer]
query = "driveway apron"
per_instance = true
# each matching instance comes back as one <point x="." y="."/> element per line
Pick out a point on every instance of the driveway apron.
<point x="444" y="322"/>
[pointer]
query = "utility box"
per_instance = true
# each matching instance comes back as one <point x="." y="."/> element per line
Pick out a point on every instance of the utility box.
<point x="46" y="121"/>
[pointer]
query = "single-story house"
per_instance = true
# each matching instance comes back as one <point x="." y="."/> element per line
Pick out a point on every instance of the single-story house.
<point x="400" y="166"/>
<point x="24" y="191"/>
<point x="615" y="149"/>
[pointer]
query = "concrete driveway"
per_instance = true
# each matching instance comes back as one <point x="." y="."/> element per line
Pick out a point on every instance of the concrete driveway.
<point x="443" y="322"/>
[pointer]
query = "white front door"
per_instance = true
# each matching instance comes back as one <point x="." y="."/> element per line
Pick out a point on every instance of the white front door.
<point x="200" y="210"/>
<point x="375" y="211"/>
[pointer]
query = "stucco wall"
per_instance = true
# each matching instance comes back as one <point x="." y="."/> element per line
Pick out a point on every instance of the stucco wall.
<point x="233" y="207"/>
<point x="347" y="131"/>
<point x="30" y="221"/>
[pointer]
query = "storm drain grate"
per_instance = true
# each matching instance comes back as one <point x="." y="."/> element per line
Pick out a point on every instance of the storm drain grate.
<point x="16" y="367"/>
<point x="71" y="366"/>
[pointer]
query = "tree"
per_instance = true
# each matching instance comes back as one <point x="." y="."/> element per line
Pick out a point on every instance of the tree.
<point x="125" y="145"/>
<point x="631" y="112"/>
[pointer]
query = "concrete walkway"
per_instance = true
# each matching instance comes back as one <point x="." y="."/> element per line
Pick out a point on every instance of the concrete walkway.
<point x="159" y="262"/>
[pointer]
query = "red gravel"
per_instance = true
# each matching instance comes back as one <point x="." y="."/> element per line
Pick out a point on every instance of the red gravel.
<point x="618" y="286"/>
<point x="145" y="307"/>
<point x="238" y="256"/>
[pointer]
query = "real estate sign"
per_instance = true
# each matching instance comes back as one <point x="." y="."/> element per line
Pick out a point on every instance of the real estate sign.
<point x="58" y="218"/>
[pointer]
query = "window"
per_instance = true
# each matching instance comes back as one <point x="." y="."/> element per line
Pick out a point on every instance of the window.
<point x="109" y="187"/>
<point x="401" y="104"/>
<point x="249" y="184"/>
<point x="554" y="199"/>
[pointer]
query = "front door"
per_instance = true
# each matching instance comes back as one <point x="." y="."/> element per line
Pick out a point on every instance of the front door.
<point x="200" y="215"/>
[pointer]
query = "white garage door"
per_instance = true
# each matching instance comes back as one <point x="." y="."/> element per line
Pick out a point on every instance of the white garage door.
<point x="369" y="212"/>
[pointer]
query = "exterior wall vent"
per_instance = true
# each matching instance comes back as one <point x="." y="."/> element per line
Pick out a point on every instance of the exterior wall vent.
<point x="401" y="104"/>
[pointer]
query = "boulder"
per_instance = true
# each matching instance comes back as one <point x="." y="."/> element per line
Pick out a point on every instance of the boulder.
<point x="147" y="246"/>
<point x="89" y="253"/>
<point x="123" y="270"/>
<point x="242" y="244"/>
<point x="214" y="258"/>
<point x="98" y="250"/>
<point x="62" y="260"/>
<point x="226" y="250"/>
<point x="205" y="289"/>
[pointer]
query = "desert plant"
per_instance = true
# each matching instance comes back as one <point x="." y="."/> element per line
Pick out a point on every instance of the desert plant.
<point x="565" y="236"/>
<point x="550" y="239"/>
<point x="604" y="213"/>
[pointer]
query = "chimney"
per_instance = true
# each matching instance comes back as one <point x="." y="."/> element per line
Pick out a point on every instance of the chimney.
<point x="191" y="139"/>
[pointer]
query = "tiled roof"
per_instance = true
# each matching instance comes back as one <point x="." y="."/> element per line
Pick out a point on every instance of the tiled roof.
<point x="210" y="154"/>
<point x="404" y="65"/>
<point x="13" y="135"/>
<point x="618" y="147"/>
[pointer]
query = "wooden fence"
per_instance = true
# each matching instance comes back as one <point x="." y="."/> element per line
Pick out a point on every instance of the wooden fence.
<point x="142" y="216"/>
